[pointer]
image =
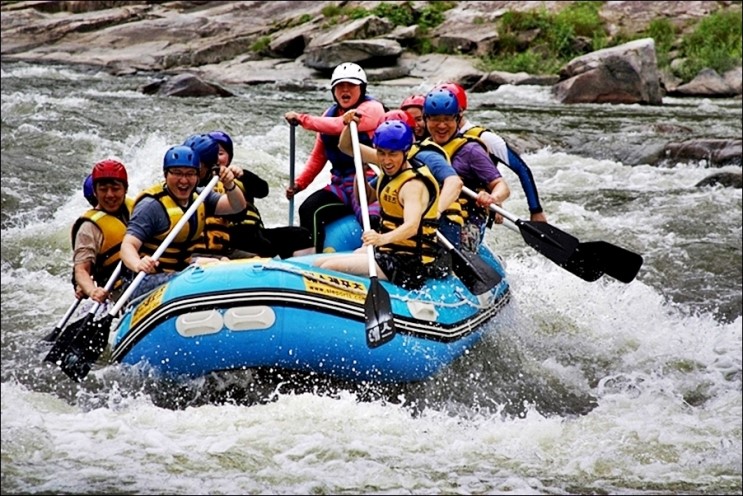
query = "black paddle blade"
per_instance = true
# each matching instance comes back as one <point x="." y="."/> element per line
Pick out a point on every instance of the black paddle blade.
<point x="473" y="271"/>
<point x="583" y="264"/>
<point x="619" y="263"/>
<point x="75" y="352"/>
<point x="380" y="322"/>
<point x="53" y="335"/>
<point x="548" y="240"/>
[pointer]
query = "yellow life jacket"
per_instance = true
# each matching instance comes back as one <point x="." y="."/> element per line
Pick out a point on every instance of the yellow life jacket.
<point x="215" y="240"/>
<point x="113" y="228"/>
<point x="251" y="216"/>
<point x="175" y="257"/>
<point x="468" y="205"/>
<point x="423" y="244"/>
<point x="454" y="211"/>
<point x="476" y="132"/>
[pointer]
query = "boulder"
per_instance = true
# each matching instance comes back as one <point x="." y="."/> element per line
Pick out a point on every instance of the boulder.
<point x="185" y="84"/>
<point x="626" y="73"/>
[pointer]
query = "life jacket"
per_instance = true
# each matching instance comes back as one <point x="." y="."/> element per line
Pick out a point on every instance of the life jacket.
<point x="175" y="257"/>
<point x="454" y="211"/>
<point x="469" y="206"/>
<point x="423" y="245"/>
<point x="113" y="227"/>
<point x="216" y="237"/>
<point x="476" y="132"/>
<point x="342" y="164"/>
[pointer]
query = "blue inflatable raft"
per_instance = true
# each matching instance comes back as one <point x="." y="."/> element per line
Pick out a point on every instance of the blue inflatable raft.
<point x="290" y="315"/>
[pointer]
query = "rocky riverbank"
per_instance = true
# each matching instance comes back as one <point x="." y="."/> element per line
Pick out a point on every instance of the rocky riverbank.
<point x="253" y="42"/>
<point x="203" y="48"/>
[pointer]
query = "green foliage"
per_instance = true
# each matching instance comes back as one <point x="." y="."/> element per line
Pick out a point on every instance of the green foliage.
<point x="260" y="44"/>
<point x="331" y="11"/>
<point x="403" y="13"/>
<point x="555" y="38"/>
<point x="399" y="13"/>
<point x="714" y="44"/>
<point x="663" y="32"/>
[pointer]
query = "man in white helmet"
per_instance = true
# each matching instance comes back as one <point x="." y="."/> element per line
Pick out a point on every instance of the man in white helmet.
<point x="335" y="200"/>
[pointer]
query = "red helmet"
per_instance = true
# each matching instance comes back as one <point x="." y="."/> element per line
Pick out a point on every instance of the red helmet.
<point x="110" y="169"/>
<point x="413" y="101"/>
<point x="458" y="92"/>
<point x="397" y="115"/>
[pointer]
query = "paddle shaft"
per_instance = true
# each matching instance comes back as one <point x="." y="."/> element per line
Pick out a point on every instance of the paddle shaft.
<point x="109" y="284"/>
<point x="589" y="261"/>
<point x="361" y="182"/>
<point x="292" y="158"/>
<point x="164" y="245"/>
<point x="63" y="321"/>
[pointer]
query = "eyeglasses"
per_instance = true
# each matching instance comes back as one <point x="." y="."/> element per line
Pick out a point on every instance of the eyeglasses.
<point x="187" y="175"/>
<point x="436" y="119"/>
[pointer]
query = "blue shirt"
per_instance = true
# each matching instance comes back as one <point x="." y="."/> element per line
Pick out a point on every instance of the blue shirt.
<point x="149" y="217"/>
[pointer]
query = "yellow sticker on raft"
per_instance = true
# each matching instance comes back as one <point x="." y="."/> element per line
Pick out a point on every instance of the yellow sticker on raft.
<point x="148" y="305"/>
<point x="346" y="289"/>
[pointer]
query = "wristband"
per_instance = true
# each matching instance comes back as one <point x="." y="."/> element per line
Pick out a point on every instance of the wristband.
<point x="227" y="190"/>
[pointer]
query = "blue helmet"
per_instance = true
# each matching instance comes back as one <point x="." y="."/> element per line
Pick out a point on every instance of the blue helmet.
<point x="440" y="101"/>
<point x="205" y="147"/>
<point x="181" y="156"/>
<point x="393" y="135"/>
<point x="88" y="191"/>
<point x="223" y="139"/>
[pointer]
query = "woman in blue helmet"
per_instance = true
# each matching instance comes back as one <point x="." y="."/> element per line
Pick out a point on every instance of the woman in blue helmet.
<point x="247" y="232"/>
<point x="158" y="209"/>
<point x="407" y="252"/>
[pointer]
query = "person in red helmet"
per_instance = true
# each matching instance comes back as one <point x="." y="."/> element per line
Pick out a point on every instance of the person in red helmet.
<point x="348" y="87"/>
<point x="500" y="152"/>
<point x="413" y="105"/>
<point x="97" y="234"/>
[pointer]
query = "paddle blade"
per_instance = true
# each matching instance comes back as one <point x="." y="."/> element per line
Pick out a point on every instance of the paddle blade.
<point x="619" y="263"/>
<point x="583" y="264"/>
<point x="548" y="240"/>
<point x="53" y="335"/>
<point x="75" y="352"/>
<point x="380" y="322"/>
<point x="474" y="272"/>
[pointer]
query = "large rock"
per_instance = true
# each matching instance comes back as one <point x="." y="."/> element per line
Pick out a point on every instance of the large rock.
<point x="626" y="73"/>
<point x="709" y="83"/>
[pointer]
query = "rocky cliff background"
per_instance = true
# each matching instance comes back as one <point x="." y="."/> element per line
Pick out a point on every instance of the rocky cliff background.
<point x="297" y="43"/>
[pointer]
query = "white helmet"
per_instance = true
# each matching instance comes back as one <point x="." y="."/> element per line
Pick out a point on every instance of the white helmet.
<point x="348" y="72"/>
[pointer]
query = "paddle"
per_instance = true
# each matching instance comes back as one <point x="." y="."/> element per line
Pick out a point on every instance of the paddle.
<point x="380" y="322"/>
<point x="589" y="261"/>
<point x="77" y="356"/>
<point x="75" y="326"/>
<point x="474" y="272"/>
<point x="292" y="151"/>
<point x="52" y="336"/>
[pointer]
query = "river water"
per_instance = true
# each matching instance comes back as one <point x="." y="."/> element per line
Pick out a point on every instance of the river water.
<point x="580" y="388"/>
